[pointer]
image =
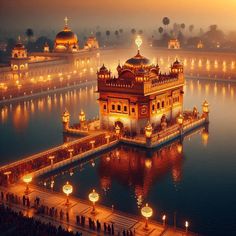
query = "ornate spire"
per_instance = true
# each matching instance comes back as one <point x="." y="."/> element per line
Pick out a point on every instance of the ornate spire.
<point x="66" y="21"/>
<point x="138" y="42"/>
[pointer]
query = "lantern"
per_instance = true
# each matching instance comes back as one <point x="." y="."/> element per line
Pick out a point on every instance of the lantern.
<point x="93" y="197"/>
<point x="146" y="212"/>
<point x="27" y="179"/>
<point x="67" y="189"/>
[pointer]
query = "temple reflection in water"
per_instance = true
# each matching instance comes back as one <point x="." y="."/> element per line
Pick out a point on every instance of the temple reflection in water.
<point x="140" y="168"/>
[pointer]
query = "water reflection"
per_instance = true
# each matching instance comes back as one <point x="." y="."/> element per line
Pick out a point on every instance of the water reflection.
<point x="139" y="168"/>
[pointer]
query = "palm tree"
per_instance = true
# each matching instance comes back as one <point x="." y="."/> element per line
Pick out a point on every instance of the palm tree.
<point x="133" y="31"/>
<point x="121" y="31"/>
<point x="117" y="33"/>
<point x="108" y="34"/>
<point x="190" y="28"/>
<point x="182" y="26"/>
<point x="29" y="33"/>
<point x="166" y="21"/>
<point x="160" y="30"/>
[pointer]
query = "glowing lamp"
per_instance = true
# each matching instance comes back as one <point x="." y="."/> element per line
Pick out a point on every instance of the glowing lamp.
<point x="93" y="197"/>
<point x="146" y="212"/>
<point x="205" y="107"/>
<point x="27" y="179"/>
<point x="66" y="117"/>
<point x="180" y="119"/>
<point x="7" y="173"/>
<point x="164" y="220"/>
<point x="148" y="130"/>
<point x="67" y="189"/>
<point x="51" y="158"/>
<point x="82" y="116"/>
<point x="186" y="226"/>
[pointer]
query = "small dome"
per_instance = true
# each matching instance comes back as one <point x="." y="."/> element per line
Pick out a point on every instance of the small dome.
<point x="103" y="69"/>
<point x="19" y="46"/>
<point x="138" y="61"/>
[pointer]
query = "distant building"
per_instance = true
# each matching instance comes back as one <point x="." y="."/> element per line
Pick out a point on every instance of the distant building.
<point x="200" y="45"/>
<point x="139" y="94"/>
<point x="91" y="43"/>
<point x="65" y="57"/>
<point x="173" y="44"/>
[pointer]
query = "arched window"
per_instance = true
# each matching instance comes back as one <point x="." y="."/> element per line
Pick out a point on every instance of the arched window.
<point x="153" y="107"/>
<point x="125" y="108"/>
<point x="158" y="105"/>
<point x="104" y="107"/>
<point x="163" y="104"/>
<point x="118" y="107"/>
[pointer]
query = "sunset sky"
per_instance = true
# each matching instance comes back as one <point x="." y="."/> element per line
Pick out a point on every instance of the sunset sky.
<point x="49" y="14"/>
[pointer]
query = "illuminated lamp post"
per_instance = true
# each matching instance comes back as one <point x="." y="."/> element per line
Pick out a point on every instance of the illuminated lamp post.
<point x="65" y="120"/>
<point x="67" y="189"/>
<point x="7" y="173"/>
<point x="92" y="142"/>
<point x="51" y="158"/>
<point x="82" y="119"/>
<point x="93" y="197"/>
<point x="146" y="212"/>
<point x="71" y="153"/>
<point x="205" y="110"/>
<point x="186" y="226"/>
<point x="107" y="137"/>
<point x="180" y="121"/>
<point x="27" y="179"/>
<point x="148" y="133"/>
<point x="164" y="220"/>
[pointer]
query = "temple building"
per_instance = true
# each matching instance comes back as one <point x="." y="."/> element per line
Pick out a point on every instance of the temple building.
<point x="64" y="58"/>
<point x="139" y="94"/>
<point x="91" y="43"/>
<point x="173" y="44"/>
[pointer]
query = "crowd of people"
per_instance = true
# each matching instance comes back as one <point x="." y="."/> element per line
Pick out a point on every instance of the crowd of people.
<point x="43" y="160"/>
<point x="14" y="223"/>
<point x="61" y="215"/>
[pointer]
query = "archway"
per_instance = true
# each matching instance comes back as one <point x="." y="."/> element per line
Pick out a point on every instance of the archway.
<point x="120" y="124"/>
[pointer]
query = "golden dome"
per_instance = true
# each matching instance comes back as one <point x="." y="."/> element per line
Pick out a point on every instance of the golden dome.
<point x="66" y="39"/>
<point x="138" y="61"/>
<point x="66" y="36"/>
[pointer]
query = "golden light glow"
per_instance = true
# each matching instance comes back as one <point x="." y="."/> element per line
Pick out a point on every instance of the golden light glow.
<point x="146" y="211"/>
<point x="93" y="196"/>
<point x="205" y="107"/>
<point x="180" y="119"/>
<point x="148" y="130"/>
<point x="67" y="188"/>
<point x="27" y="178"/>
<point x="138" y="41"/>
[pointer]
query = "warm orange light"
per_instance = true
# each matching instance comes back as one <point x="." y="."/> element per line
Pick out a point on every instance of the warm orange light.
<point x="27" y="179"/>
<point x="148" y="130"/>
<point x="93" y="197"/>
<point x="205" y="107"/>
<point x="146" y="212"/>
<point x="180" y="119"/>
<point x="67" y="189"/>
